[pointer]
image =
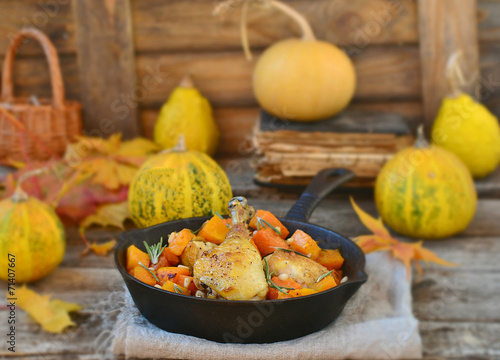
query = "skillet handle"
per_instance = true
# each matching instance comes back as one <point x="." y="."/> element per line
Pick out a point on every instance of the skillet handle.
<point x="320" y="186"/>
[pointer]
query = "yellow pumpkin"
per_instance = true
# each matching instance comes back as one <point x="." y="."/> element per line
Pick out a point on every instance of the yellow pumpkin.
<point x="303" y="79"/>
<point x="178" y="184"/>
<point x="31" y="237"/>
<point x="425" y="192"/>
<point x="187" y="112"/>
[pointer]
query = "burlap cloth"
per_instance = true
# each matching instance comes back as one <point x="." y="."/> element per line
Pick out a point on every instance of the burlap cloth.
<point x="377" y="323"/>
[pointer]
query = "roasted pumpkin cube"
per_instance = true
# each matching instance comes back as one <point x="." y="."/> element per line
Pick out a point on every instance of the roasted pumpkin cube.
<point x="136" y="256"/>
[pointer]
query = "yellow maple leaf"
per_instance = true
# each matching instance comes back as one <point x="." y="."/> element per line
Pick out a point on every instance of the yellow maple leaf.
<point x="110" y="162"/>
<point x="51" y="314"/>
<point x="382" y="240"/>
<point x="101" y="249"/>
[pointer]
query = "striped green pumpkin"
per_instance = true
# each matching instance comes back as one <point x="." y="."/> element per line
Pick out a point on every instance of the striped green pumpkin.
<point x="425" y="192"/>
<point x="30" y="231"/>
<point x="175" y="185"/>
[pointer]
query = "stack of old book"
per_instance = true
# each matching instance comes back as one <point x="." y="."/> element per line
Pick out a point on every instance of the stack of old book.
<point x="291" y="153"/>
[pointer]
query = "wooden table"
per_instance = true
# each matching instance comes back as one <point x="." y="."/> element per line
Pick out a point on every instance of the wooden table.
<point x="458" y="308"/>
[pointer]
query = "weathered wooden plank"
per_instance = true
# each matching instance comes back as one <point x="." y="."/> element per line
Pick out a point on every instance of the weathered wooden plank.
<point x="225" y="78"/>
<point x="190" y="26"/>
<point x="460" y="340"/>
<point x="31" y="77"/>
<point x="458" y="295"/>
<point x="107" y="67"/>
<point x="445" y="27"/>
<point x="54" y="18"/>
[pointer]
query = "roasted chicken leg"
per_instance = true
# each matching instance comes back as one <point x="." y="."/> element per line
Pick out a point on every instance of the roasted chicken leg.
<point x="233" y="270"/>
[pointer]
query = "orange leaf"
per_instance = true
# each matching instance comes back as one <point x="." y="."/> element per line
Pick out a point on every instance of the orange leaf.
<point x="404" y="252"/>
<point x="101" y="249"/>
<point x="375" y="225"/>
<point x="428" y="256"/>
<point x="371" y="243"/>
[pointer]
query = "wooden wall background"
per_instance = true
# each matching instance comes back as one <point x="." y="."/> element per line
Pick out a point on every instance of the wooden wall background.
<point x="169" y="38"/>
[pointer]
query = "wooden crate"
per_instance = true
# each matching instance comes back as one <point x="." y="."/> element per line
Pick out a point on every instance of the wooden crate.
<point x="122" y="58"/>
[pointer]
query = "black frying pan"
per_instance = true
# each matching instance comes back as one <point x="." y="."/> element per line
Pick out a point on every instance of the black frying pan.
<point x="251" y="321"/>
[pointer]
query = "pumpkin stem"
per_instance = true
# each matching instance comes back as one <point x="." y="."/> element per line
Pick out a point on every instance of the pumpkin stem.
<point x="181" y="144"/>
<point x="454" y="75"/>
<point x="307" y="33"/>
<point x="187" y="81"/>
<point x="244" y="32"/>
<point x="421" y="142"/>
<point x="19" y="194"/>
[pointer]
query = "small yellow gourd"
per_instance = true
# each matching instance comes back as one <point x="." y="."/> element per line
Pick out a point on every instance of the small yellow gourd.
<point x="177" y="184"/>
<point x="467" y="128"/>
<point x="303" y="79"/>
<point x="187" y="112"/>
<point x="31" y="237"/>
<point x="425" y="192"/>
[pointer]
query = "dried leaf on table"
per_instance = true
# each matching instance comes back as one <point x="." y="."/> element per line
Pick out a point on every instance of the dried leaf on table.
<point x="101" y="249"/>
<point x="382" y="240"/>
<point x="51" y="314"/>
<point x="106" y="215"/>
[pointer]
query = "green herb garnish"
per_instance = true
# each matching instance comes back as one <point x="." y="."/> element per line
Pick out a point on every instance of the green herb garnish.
<point x="148" y="269"/>
<point x="324" y="275"/>
<point x="271" y="283"/>
<point x="177" y="289"/>
<point x="264" y="224"/>
<point x="291" y="250"/>
<point x="219" y="215"/>
<point x="154" y="251"/>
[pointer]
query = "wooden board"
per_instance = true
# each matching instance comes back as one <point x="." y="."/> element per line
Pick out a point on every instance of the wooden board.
<point x="446" y="27"/>
<point x="107" y="67"/>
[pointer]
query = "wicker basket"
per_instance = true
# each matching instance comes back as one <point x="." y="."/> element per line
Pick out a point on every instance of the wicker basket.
<point x="53" y="122"/>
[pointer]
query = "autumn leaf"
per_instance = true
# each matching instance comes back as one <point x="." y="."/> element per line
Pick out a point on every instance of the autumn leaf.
<point x="51" y="314"/>
<point x="110" y="162"/>
<point x="108" y="215"/>
<point x="375" y="225"/>
<point x="101" y="249"/>
<point x="382" y="240"/>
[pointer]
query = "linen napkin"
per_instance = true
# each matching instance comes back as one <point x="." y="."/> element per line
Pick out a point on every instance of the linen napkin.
<point x="376" y="323"/>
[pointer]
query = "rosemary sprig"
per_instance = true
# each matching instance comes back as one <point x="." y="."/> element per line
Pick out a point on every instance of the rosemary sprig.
<point x="154" y="251"/>
<point x="148" y="269"/>
<point x="177" y="289"/>
<point x="324" y="275"/>
<point x="199" y="229"/>
<point x="271" y="283"/>
<point x="264" y="224"/>
<point x="291" y="250"/>
<point x="219" y="215"/>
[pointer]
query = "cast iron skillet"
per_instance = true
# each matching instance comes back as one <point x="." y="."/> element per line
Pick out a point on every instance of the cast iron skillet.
<point x="251" y="321"/>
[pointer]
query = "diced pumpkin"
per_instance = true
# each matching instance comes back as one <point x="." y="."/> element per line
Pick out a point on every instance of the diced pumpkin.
<point x="136" y="256"/>
<point x="215" y="230"/>
<point x="172" y="287"/>
<point x="170" y="273"/>
<point x="331" y="259"/>
<point x="179" y="242"/>
<point x="144" y="275"/>
<point x="267" y="241"/>
<point x="326" y="283"/>
<point x="301" y="292"/>
<point x="303" y="243"/>
<point x="271" y="219"/>
<point x="273" y="293"/>
<point x="172" y="259"/>
<point x="186" y="281"/>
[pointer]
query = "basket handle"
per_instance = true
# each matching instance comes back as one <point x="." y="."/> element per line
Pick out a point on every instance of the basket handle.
<point x="7" y="94"/>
